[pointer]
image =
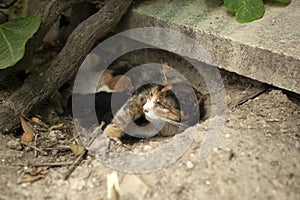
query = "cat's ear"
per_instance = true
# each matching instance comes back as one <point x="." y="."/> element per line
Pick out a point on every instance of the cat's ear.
<point x="166" y="88"/>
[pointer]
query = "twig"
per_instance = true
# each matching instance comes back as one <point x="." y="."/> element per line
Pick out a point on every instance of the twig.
<point x="47" y="164"/>
<point x="74" y="138"/>
<point x="81" y="155"/>
<point x="75" y="164"/>
<point x="40" y="129"/>
<point x="35" y="139"/>
<point x="60" y="147"/>
<point x="44" y="153"/>
<point x="95" y="133"/>
<point x="247" y="98"/>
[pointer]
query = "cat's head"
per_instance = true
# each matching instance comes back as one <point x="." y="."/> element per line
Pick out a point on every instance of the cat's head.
<point x="162" y="104"/>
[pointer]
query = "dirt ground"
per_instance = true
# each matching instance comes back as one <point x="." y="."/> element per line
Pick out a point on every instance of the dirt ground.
<point x="257" y="157"/>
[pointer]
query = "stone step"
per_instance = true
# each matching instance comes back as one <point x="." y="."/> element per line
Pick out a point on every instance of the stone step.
<point x="267" y="50"/>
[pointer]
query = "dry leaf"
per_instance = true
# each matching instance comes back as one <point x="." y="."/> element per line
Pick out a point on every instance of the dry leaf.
<point x="38" y="170"/>
<point x="105" y="78"/>
<point x="58" y="127"/>
<point x="38" y="121"/>
<point x="28" y="131"/>
<point x="76" y="149"/>
<point x="31" y="179"/>
<point x="119" y="83"/>
<point x="35" y="120"/>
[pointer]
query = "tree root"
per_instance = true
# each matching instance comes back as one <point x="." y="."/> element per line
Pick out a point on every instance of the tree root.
<point x="42" y="83"/>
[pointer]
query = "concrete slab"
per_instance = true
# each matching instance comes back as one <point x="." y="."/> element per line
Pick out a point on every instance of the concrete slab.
<point x="267" y="50"/>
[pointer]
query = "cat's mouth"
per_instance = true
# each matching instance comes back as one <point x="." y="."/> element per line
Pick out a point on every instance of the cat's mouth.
<point x="151" y="116"/>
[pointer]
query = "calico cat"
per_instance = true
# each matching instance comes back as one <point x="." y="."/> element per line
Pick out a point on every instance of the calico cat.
<point x="154" y="108"/>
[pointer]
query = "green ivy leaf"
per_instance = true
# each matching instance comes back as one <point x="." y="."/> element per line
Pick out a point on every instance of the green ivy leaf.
<point x="245" y="10"/>
<point x="250" y="10"/>
<point x="233" y="5"/>
<point x="13" y="36"/>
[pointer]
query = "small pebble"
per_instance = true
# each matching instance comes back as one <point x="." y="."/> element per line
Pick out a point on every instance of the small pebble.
<point x="273" y="21"/>
<point x="189" y="165"/>
<point x="14" y="144"/>
<point x="52" y="136"/>
<point x="56" y="134"/>
<point x="54" y="152"/>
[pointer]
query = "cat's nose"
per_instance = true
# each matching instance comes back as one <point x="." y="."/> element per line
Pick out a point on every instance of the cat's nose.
<point x="145" y="110"/>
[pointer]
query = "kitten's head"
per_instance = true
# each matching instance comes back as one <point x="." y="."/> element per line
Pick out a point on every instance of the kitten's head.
<point x="162" y="104"/>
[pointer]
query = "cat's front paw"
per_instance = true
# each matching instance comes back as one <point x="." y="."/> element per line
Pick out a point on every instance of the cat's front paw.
<point x="112" y="130"/>
<point x="169" y="130"/>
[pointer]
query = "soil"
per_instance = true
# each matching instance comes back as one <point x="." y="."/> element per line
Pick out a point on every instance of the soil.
<point x="257" y="157"/>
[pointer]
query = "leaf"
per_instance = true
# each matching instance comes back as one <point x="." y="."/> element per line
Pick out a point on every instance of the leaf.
<point x="76" y="149"/>
<point x="13" y="36"/>
<point x="233" y="5"/>
<point x="36" y="120"/>
<point x="58" y="127"/>
<point x="250" y="10"/>
<point x="245" y="10"/>
<point x="38" y="170"/>
<point x="30" y="179"/>
<point x="28" y="131"/>
<point x="120" y="83"/>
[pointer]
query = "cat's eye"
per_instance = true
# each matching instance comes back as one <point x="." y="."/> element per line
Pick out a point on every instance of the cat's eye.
<point x="142" y="99"/>
<point x="158" y="103"/>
